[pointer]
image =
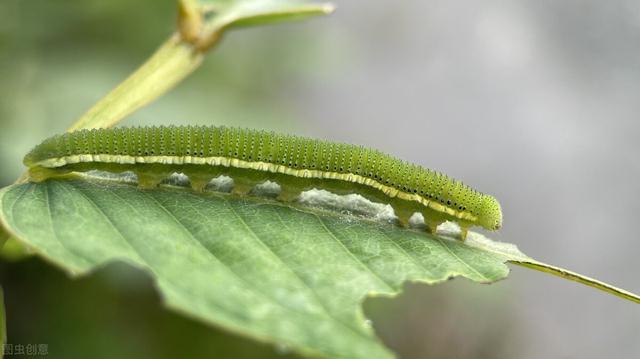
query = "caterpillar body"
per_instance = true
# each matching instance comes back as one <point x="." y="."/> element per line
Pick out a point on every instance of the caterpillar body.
<point x="251" y="157"/>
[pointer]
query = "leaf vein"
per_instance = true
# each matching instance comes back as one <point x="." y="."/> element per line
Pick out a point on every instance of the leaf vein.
<point x="54" y="231"/>
<point x="249" y="285"/>
<point x="350" y="253"/>
<point x="311" y="290"/>
<point x="472" y="268"/>
<point x="407" y="253"/>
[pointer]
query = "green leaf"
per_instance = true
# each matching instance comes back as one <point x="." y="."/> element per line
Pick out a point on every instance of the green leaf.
<point x="202" y="22"/>
<point x="236" y="13"/>
<point x="280" y="274"/>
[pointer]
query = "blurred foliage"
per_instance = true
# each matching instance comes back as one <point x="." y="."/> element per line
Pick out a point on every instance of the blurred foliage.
<point x="114" y="313"/>
<point x="444" y="321"/>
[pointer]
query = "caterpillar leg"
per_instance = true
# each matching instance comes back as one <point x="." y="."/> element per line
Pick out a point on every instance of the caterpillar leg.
<point x="148" y="181"/>
<point x="404" y="215"/>
<point x="244" y="185"/>
<point x="39" y="174"/>
<point x="463" y="233"/>
<point x="199" y="183"/>
<point x="403" y="210"/>
<point x="288" y="194"/>
<point x="241" y="188"/>
<point x="432" y="224"/>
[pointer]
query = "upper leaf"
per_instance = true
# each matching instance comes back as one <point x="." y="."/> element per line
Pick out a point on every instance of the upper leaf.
<point x="204" y="21"/>
<point x="259" y="268"/>
<point x="231" y="13"/>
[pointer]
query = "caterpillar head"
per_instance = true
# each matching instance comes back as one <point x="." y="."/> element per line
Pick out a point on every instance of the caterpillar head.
<point x="490" y="214"/>
<point x="47" y="149"/>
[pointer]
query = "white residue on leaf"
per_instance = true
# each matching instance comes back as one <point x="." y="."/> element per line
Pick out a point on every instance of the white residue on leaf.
<point x="267" y="189"/>
<point x="221" y="184"/>
<point x="177" y="179"/>
<point x="348" y="204"/>
<point x="126" y="177"/>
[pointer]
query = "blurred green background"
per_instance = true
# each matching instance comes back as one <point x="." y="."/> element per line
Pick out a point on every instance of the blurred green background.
<point x="533" y="101"/>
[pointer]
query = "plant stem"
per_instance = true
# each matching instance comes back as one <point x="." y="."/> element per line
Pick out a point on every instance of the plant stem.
<point x="567" y="274"/>
<point x="171" y="63"/>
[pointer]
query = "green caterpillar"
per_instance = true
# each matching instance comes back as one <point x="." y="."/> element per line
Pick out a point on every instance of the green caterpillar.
<point x="252" y="157"/>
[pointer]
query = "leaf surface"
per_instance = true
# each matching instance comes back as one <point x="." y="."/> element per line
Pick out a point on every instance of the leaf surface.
<point x="287" y="275"/>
